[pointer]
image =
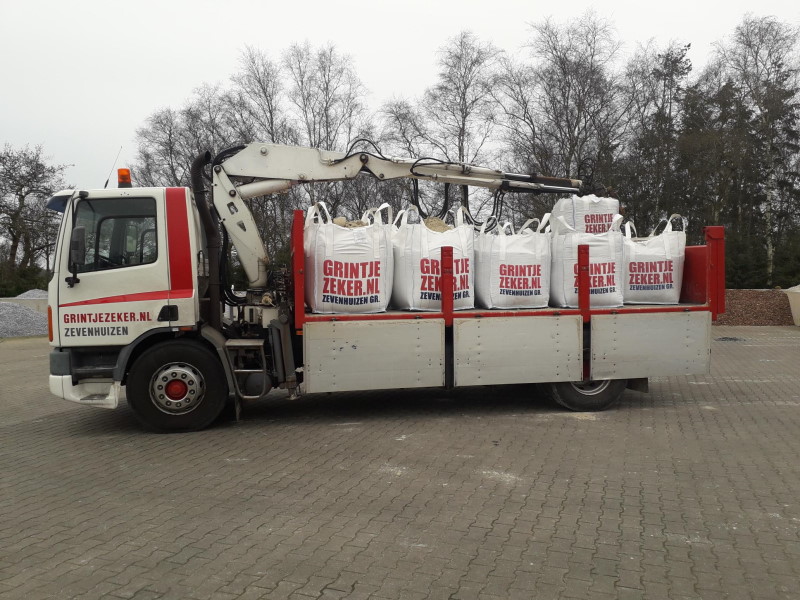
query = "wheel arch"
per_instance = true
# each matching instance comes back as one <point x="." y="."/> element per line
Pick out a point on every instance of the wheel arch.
<point x="177" y="385"/>
<point x="129" y="354"/>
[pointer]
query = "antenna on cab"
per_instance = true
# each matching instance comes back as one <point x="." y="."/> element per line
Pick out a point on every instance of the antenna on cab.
<point x="114" y="164"/>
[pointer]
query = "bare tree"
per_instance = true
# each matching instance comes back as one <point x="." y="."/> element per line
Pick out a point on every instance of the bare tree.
<point x="577" y="102"/>
<point x="27" y="179"/>
<point x="454" y="119"/>
<point x="403" y="127"/>
<point x="515" y="93"/>
<point x="459" y="110"/>
<point x="654" y="86"/>
<point x="562" y="111"/>
<point x="171" y="139"/>
<point x="325" y="98"/>
<point x="257" y="101"/>
<point x="161" y="159"/>
<point x="206" y="122"/>
<point x="325" y="95"/>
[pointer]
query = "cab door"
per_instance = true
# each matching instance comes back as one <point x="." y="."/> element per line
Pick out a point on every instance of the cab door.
<point x="122" y="287"/>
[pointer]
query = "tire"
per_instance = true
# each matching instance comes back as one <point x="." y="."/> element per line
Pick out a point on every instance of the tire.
<point x="586" y="396"/>
<point x="177" y="386"/>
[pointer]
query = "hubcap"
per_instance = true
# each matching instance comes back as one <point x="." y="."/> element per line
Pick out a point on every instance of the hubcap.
<point x="177" y="388"/>
<point x="591" y="388"/>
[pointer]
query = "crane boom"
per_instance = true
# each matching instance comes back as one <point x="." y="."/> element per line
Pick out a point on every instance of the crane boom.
<point x="272" y="168"/>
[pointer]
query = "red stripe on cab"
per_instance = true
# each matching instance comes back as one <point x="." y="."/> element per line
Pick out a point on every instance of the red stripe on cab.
<point x="179" y="248"/>
<point x="141" y="297"/>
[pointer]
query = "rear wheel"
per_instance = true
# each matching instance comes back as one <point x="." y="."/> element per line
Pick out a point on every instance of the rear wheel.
<point x="585" y="396"/>
<point x="177" y="386"/>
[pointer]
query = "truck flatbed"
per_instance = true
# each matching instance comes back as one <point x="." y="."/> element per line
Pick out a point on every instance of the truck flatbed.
<point x="348" y="352"/>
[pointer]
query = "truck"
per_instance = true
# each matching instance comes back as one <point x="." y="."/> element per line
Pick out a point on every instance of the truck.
<point x="140" y="303"/>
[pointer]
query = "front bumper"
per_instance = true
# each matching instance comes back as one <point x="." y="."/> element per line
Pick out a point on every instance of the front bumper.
<point x="105" y="394"/>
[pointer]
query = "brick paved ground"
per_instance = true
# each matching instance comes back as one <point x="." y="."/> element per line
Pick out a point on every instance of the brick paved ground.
<point x="692" y="491"/>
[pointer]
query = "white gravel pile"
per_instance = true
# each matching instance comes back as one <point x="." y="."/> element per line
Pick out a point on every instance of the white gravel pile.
<point x="33" y="294"/>
<point x="21" y="321"/>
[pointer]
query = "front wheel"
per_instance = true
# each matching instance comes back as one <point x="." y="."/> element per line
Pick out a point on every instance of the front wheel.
<point x="587" y="396"/>
<point x="177" y="386"/>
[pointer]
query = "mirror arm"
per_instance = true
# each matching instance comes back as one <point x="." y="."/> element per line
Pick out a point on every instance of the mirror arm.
<point x="72" y="279"/>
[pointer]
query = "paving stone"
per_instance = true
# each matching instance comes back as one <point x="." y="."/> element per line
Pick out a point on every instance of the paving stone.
<point x="690" y="491"/>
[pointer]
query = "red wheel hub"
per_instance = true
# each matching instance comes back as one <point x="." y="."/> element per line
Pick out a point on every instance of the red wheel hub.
<point x="176" y="389"/>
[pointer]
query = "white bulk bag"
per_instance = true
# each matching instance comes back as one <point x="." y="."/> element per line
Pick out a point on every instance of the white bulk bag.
<point x="654" y="266"/>
<point x="417" y="263"/>
<point x="513" y="271"/>
<point x="347" y="270"/>
<point x="585" y="214"/>
<point x="605" y="266"/>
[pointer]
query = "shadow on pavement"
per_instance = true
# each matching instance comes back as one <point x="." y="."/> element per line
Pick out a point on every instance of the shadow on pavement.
<point x="334" y="408"/>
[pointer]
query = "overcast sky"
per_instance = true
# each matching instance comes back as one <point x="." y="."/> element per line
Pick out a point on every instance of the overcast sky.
<point x="80" y="77"/>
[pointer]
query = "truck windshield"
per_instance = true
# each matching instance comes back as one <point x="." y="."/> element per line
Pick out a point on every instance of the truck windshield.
<point x="120" y="232"/>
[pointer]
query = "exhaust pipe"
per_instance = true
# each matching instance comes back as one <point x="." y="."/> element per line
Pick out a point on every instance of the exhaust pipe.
<point x="212" y="238"/>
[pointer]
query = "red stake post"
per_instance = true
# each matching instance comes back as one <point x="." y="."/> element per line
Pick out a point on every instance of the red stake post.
<point x="298" y="270"/>
<point x="583" y="282"/>
<point x="715" y="240"/>
<point x="447" y="285"/>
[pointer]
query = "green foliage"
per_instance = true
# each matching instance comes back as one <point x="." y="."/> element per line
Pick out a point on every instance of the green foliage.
<point x="744" y="263"/>
<point x="722" y="149"/>
<point x="787" y="261"/>
<point x="13" y="283"/>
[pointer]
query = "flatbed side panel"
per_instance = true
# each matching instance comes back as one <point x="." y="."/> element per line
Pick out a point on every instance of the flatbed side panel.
<point x="651" y="345"/>
<point x="373" y="355"/>
<point x="517" y="350"/>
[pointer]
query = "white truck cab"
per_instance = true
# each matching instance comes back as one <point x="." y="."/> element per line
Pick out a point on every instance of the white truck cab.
<point x="127" y="265"/>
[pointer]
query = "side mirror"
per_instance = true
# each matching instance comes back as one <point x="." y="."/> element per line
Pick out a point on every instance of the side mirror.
<point x="77" y="254"/>
<point x="77" y="247"/>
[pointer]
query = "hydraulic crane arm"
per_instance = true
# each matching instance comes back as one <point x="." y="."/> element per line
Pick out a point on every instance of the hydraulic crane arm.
<point x="271" y="168"/>
<point x="290" y="165"/>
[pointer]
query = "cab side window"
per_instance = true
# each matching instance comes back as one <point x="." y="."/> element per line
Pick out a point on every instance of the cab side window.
<point x="120" y="232"/>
